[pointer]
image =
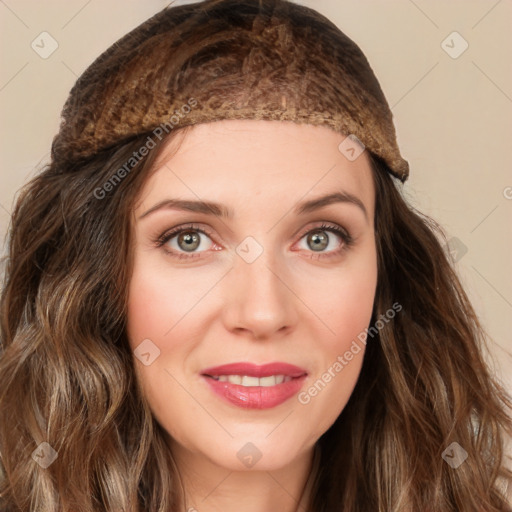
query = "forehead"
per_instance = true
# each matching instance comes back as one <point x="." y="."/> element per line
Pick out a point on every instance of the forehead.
<point x="261" y="163"/>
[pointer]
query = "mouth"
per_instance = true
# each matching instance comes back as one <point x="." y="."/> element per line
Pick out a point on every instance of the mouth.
<point x="256" y="387"/>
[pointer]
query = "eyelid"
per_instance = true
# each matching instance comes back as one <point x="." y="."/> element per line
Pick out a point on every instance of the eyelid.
<point x="323" y="225"/>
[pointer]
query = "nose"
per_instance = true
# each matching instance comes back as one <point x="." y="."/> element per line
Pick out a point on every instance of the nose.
<point x="259" y="299"/>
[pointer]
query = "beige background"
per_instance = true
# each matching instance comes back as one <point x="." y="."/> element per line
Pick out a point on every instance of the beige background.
<point x="453" y="115"/>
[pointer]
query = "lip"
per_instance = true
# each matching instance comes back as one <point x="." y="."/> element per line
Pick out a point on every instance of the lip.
<point x="255" y="397"/>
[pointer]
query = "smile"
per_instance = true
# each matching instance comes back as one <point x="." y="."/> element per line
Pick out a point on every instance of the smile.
<point x="257" y="387"/>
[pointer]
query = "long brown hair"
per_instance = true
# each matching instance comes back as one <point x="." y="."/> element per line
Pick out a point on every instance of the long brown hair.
<point x="68" y="373"/>
<point x="68" y="378"/>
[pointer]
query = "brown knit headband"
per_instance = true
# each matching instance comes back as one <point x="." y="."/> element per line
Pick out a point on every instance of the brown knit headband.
<point x="228" y="59"/>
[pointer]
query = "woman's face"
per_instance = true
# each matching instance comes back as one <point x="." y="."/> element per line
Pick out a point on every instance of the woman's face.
<point x="254" y="280"/>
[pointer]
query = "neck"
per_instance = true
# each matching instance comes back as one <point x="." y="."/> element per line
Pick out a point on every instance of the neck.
<point x="208" y="487"/>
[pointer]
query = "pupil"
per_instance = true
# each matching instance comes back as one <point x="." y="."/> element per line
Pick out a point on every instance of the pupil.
<point x="191" y="240"/>
<point x="319" y="240"/>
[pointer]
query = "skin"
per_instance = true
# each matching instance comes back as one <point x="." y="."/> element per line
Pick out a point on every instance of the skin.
<point x="288" y="305"/>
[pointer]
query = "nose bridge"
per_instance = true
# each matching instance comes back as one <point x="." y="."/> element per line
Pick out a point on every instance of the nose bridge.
<point x="259" y="300"/>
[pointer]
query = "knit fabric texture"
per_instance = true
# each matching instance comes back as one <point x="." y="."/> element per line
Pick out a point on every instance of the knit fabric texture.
<point x="237" y="59"/>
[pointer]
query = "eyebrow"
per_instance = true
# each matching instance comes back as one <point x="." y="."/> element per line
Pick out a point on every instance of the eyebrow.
<point x="219" y="210"/>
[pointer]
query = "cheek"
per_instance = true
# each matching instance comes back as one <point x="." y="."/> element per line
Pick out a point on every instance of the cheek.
<point x="156" y="306"/>
<point x="345" y="306"/>
<point x="159" y="301"/>
<point x="345" y="303"/>
<point x="148" y="305"/>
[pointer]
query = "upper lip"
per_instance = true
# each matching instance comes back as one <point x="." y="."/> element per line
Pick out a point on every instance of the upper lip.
<point x="253" y="370"/>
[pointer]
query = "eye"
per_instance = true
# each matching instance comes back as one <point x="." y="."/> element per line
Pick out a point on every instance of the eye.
<point x="186" y="241"/>
<point x="321" y="237"/>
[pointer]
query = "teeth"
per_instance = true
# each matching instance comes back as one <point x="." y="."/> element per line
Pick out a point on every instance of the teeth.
<point x="248" y="381"/>
<point x="268" y="381"/>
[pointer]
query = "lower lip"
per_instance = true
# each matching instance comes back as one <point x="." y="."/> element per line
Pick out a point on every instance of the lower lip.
<point x="256" y="397"/>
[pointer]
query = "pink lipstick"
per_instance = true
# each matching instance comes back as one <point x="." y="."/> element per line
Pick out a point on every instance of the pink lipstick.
<point x="255" y="387"/>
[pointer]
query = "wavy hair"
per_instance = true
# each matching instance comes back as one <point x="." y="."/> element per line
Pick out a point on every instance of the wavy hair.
<point x="68" y="375"/>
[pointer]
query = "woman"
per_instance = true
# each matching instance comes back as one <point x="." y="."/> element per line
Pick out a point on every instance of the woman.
<point x="206" y="309"/>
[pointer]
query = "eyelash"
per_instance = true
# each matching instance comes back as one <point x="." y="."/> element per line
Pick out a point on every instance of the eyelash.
<point x="347" y="239"/>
